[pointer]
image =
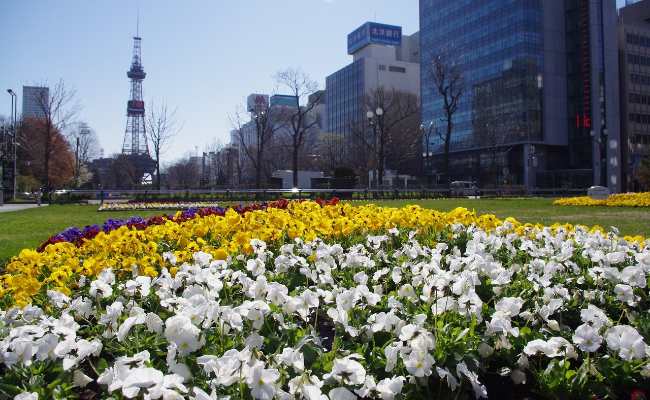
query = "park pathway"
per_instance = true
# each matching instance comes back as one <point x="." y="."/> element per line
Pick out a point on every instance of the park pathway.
<point x="17" y="207"/>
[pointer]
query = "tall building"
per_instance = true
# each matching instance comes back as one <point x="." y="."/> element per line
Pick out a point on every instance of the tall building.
<point x="540" y="103"/>
<point x="382" y="57"/>
<point x="135" y="137"/>
<point x="33" y="99"/>
<point x="634" y="43"/>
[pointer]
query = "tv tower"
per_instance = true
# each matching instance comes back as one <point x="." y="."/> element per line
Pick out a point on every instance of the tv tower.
<point x="135" y="137"/>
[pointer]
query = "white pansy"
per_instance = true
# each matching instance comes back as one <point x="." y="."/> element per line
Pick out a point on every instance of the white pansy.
<point x="594" y="316"/>
<point x="262" y="382"/>
<point x="388" y="388"/>
<point x="341" y="393"/>
<point x="292" y="358"/>
<point x="26" y="396"/>
<point x="587" y="339"/>
<point x="625" y="293"/>
<point x="347" y="370"/>
<point x="626" y="341"/>
<point x="419" y="363"/>
<point x="180" y="331"/>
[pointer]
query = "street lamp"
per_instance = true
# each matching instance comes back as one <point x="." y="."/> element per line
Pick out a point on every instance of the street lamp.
<point x="376" y="122"/>
<point x="14" y="106"/>
<point x="426" y="132"/>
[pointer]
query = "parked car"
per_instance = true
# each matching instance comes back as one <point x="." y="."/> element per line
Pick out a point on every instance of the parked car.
<point x="464" y="188"/>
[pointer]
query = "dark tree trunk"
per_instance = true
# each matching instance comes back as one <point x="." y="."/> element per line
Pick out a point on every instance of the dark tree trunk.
<point x="46" y="158"/>
<point x="158" y="170"/>
<point x="380" y="166"/>
<point x="258" y="170"/>
<point x="447" y="146"/>
<point x="296" y="148"/>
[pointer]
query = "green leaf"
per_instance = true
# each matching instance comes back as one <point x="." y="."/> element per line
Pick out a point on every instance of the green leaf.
<point x="102" y="365"/>
<point x="570" y="374"/>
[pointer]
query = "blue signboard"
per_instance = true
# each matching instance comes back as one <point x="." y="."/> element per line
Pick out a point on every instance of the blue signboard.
<point x="374" y="33"/>
<point x="283" y="100"/>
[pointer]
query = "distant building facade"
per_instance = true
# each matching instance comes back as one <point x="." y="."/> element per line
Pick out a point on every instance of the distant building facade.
<point x="33" y="99"/>
<point x="634" y="43"/>
<point x="382" y="57"/>
<point x="540" y="105"/>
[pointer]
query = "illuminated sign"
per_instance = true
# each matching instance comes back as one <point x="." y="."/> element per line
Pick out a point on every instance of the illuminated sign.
<point x="585" y="67"/>
<point x="583" y="121"/>
<point x="374" y="33"/>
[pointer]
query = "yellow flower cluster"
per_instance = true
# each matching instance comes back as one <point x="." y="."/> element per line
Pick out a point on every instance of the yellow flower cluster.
<point x="615" y="200"/>
<point x="124" y="250"/>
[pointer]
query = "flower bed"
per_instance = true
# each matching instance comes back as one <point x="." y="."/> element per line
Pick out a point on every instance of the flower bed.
<point x="306" y="301"/>
<point x="156" y="205"/>
<point x="614" y="200"/>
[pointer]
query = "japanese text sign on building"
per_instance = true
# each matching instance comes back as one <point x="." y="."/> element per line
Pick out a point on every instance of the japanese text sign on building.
<point x="374" y="33"/>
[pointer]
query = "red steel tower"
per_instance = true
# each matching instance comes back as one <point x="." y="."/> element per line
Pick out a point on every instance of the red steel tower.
<point x="135" y="137"/>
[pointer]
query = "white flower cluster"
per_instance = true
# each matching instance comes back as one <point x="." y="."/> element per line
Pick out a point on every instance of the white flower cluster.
<point x="385" y="318"/>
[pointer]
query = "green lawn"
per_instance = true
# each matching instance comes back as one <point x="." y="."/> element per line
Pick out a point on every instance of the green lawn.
<point x="28" y="228"/>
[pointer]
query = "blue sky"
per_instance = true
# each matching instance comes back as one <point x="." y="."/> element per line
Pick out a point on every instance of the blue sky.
<point x="202" y="56"/>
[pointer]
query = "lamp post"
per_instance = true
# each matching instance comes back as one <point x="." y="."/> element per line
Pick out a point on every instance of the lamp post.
<point x="260" y="132"/>
<point x="14" y="106"/>
<point x="376" y="122"/>
<point x="426" y="132"/>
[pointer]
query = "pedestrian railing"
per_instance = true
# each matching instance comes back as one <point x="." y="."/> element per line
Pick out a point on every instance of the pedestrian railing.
<point x="239" y="195"/>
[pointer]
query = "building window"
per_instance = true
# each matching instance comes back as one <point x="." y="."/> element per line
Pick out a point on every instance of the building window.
<point x="638" y="40"/>
<point x="640" y="79"/>
<point x="393" y="68"/>
<point x="636" y="98"/>
<point x="640" y="118"/>
<point x="640" y="139"/>
<point x="382" y="67"/>
<point x="638" y="59"/>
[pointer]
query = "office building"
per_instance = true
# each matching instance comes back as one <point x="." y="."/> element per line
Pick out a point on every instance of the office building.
<point x="634" y="44"/>
<point x="34" y="98"/>
<point x="382" y="58"/>
<point x="540" y="102"/>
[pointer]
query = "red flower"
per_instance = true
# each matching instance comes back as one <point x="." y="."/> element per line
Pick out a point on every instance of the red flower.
<point x="638" y="394"/>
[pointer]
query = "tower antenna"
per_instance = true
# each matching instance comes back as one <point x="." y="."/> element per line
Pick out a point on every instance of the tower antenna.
<point x="137" y="23"/>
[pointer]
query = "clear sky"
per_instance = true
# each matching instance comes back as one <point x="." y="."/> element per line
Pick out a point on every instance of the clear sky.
<point x="202" y="56"/>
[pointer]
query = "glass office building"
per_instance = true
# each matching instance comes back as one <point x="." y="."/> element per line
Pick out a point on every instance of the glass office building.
<point x="529" y="67"/>
<point x="345" y="96"/>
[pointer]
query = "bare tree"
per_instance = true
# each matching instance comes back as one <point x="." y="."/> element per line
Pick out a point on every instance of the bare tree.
<point x="162" y="126"/>
<point x="123" y="173"/>
<point x="427" y="132"/>
<point x="255" y="136"/>
<point x="88" y="143"/>
<point x="329" y="149"/>
<point x="389" y="110"/>
<point x="83" y="141"/>
<point x="57" y="111"/>
<point x="447" y="79"/>
<point x="183" y="174"/>
<point x="300" y="121"/>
